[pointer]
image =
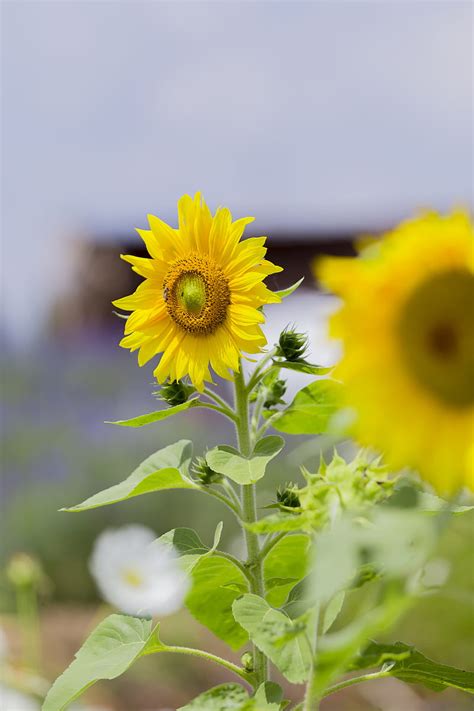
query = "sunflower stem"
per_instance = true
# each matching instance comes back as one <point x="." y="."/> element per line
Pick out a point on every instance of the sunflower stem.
<point x="249" y="509"/>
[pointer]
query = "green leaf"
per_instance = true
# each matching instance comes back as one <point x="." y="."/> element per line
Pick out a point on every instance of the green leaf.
<point x="226" y="697"/>
<point x="283" y="293"/>
<point x="266" y="627"/>
<point x="332" y="610"/>
<point x="109" y="651"/>
<point x="245" y="470"/>
<point x="189" y="546"/>
<point x="216" y="583"/>
<point x="166" y="469"/>
<point x="433" y="504"/>
<point x="281" y="522"/>
<point x="285" y="565"/>
<point x="411" y="666"/>
<point x="301" y="366"/>
<point x="157" y="416"/>
<point x="311" y="410"/>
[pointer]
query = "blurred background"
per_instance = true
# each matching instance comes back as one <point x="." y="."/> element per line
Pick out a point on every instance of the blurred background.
<point x="325" y="120"/>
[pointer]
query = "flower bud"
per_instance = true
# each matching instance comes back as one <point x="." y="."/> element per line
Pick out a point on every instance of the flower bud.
<point x="247" y="661"/>
<point x="175" y="392"/>
<point x="24" y="571"/>
<point x="292" y="345"/>
<point x="204" y="473"/>
<point x="287" y="495"/>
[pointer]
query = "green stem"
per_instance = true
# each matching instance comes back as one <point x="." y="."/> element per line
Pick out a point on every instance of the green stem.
<point x="217" y="495"/>
<point x="217" y="398"/>
<point x="355" y="680"/>
<point x="258" y="372"/>
<point x="249" y="509"/>
<point x="313" y="693"/>
<point x="27" y="607"/>
<point x="190" y="651"/>
<point x="223" y="411"/>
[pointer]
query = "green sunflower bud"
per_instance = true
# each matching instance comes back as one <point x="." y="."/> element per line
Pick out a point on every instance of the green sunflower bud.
<point x="175" y="392"/>
<point x="292" y="345"/>
<point x="204" y="473"/>
<point x="247" y="661"/>
<point x="287" y="495"/>
<point x="24" y="571"/>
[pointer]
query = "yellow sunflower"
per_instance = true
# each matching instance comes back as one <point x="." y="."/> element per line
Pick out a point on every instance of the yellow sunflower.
<point x="199" y="305"/>
<point x="407" y="329"/>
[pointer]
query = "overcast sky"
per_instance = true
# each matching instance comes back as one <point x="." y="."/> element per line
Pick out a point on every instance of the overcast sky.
<point x="316" y="114"/>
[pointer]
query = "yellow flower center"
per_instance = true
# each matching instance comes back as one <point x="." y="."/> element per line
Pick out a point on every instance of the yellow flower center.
<point x="196" y="294"/>
<point x="132" y="577"/>
<point x="437" y="336"/>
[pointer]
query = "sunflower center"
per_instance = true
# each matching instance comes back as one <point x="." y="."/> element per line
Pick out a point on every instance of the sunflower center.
<point x="196" y="294"/>
<point x="436" y="331"/>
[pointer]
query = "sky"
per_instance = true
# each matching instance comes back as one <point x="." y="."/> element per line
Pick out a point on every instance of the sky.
<point x="310" y="115"/>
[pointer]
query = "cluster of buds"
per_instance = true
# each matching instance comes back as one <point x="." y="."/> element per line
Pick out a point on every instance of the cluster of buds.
<point x="175" y="392"/>
<point x="292" y="346"/>
<point x="203" y="472"/>
<point x="271" y="388"/>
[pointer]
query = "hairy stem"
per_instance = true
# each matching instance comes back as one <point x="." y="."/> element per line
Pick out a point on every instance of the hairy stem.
<point x="190" y="651"/>
<point x="313" y="694"/>
<point x="355" y="680"/>
<point x="249" y="509"/>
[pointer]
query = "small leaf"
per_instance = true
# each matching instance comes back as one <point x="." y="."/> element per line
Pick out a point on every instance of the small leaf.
<point x="108" y="652"/>
<point x="311" y="410"/>
<point x="189" y="546"/>
<point x="301" y="366"/>
<point x="216" y="583"/>
<point x="433" y="504"/>
<point x="280" y="522"/>
<point x="157" y="416"/>
<point x="165" y="469"/>
<point x="332" y="610"/>
<point x="245" y="470"/>
<point x="266" y="627"/>
<point x="411" y="666"/>
<point x="283" y="293"/>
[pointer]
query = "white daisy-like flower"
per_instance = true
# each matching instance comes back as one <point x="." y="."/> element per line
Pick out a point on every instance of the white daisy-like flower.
<point x="12" y="700"/>
<point x="137" y="574"/>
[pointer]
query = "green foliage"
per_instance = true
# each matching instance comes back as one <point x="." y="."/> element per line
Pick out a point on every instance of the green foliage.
<point x="108" y="652"/>
<point x="280" y="638"/>
<point x="216" y="583"/>
<point x="233" y="697"/>
<point x="302" y="366"/>
<point x="166" y="469"/>
<point x="408" y="664"/>
<point x="285" y="565"/>
<point x="157" y="416"/>
<point x="311" y="410"/>
<point x="189" y="546"/>
<point x="283" y="293"/>
<point x="245" y="470"/>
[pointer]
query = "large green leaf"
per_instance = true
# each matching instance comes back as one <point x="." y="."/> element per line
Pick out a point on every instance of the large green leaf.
<point x="268" y="628"/>
<point x="216" y="583"/>
<point x="157" y="416"/>
<point x="166" y="469"/>
<point x="189" y="546"/>
<point x="285" y="565"/>
<point x="245" y="470"/>
<point x="311" y="410"/>
<point x="408" y="664"/>
<point x="109" y="651"/>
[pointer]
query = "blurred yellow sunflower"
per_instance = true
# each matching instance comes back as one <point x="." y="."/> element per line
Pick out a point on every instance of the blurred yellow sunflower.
<point x="199" y="303"/>
<point x="407" y="330"/>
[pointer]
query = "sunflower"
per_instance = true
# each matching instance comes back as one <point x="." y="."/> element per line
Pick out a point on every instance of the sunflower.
<point x="407" y="329"/>
<point x="199" y="305"/>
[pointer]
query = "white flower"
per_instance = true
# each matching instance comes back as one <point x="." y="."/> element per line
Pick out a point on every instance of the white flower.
<point x="136" y="573"/>
<point x="12" y="700"/>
